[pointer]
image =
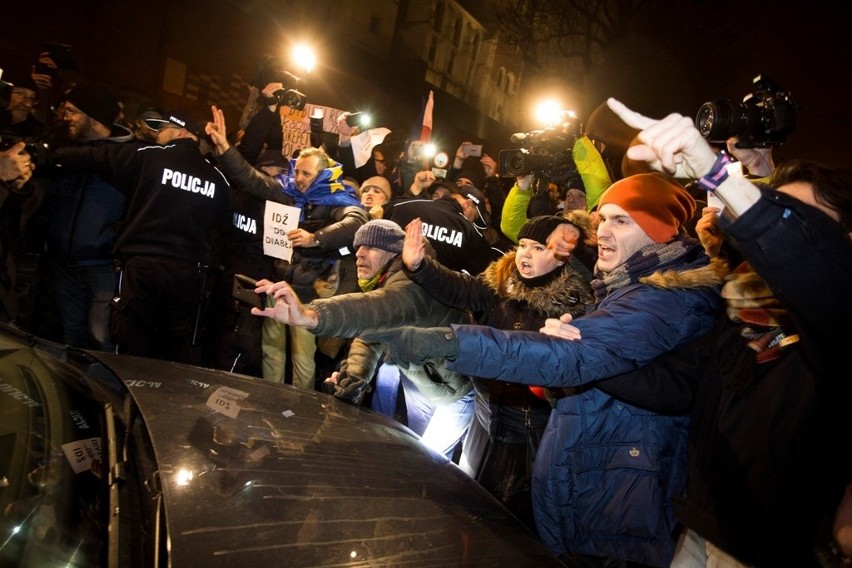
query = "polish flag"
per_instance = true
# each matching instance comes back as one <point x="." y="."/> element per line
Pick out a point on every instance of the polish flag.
<point x="426" y="128"/>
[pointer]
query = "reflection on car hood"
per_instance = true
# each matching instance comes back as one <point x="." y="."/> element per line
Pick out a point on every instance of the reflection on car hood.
<point x="253" y="472"/>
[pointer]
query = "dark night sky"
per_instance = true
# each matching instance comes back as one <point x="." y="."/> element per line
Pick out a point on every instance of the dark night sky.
<point x="682" y="53"/>
<point x="702" y="51"/>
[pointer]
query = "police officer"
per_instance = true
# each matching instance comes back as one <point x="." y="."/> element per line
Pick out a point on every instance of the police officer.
<point x="175" y="200"/>
<point x="450" y="225"/>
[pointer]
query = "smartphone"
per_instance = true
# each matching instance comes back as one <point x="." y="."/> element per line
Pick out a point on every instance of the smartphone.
<point x="473" y="150"/>
<point x="243" y="290"/>
<point x="354" y="119"/>
<point x="61" y="53"/>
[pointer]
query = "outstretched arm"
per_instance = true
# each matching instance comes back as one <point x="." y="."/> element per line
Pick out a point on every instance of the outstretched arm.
<point x="286" y="307"/>
<point x="674" y="145"/>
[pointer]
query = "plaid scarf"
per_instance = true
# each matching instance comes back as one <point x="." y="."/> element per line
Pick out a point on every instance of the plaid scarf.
<point x="751" y="302"/>
<point x="646" y="260"/>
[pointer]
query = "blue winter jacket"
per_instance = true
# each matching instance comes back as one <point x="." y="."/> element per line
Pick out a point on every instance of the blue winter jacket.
<point x="606" y="471"/>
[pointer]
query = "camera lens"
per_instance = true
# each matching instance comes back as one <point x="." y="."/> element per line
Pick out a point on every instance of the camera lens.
<point x="715" y="121"/>
<point x="516" y="164"/>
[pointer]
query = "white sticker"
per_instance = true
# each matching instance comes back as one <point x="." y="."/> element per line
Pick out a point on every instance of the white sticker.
<point x="82" y="453"/>
<point x="226" y="401"/>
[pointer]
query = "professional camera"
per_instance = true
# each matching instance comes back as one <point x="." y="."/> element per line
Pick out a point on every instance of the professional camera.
<point x="270" y="70"/>
<point x="547" y="154"/>
<point x="40" y="152"/>
<point x="765" y="118"/>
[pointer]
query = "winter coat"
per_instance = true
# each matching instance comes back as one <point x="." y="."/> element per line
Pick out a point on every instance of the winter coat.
<point x="606" y="471"/>
<point x="499" y="298"/>
<point x="84" y="214"/>
<point x="334" y="227"/>
<point x="398" y="302"/>
<point x="768" y="441"/>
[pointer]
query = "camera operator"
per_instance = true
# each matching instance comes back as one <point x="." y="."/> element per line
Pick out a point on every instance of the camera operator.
<point x="16" y="115"/>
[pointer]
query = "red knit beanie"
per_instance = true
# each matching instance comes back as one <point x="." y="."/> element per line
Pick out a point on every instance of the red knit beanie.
<point x="658" y="205"/>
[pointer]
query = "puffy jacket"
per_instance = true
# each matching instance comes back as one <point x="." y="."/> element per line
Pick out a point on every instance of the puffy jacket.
<point x="606" y="471"/>
<point x="398" y="302"/>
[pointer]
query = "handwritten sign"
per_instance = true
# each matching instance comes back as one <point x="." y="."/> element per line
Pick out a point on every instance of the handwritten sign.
<point x="296" y="125"/>
<point x="278" y="220"/>
<point x="226" y="400"/>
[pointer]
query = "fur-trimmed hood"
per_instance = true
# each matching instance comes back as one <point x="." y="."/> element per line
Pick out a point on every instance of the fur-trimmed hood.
<point x="568" y="292"/>
<point x="707" y="276"/>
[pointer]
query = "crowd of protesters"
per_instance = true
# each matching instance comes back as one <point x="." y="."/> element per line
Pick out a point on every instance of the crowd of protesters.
<point x="640" y="359"/>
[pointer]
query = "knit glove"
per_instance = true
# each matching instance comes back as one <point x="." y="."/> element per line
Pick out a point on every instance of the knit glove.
<point x="410" y="345"/>
<point x="348" y="388"/>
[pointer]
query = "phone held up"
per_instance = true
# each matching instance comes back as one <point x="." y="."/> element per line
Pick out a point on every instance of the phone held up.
<point x="243" y="290"/>
<point x="61" y="54"/>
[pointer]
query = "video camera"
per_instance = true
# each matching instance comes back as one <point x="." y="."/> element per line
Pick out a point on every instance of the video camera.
<point x="765" y="118"/>
<point x="270" y="70"/>
<point x="547" y="154"/>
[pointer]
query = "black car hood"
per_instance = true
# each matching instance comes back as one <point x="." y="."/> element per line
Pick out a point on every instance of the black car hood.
<point x="255" y="473"/>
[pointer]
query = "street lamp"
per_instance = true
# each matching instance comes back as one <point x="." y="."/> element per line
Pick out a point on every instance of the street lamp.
<point x="304" y="58"/>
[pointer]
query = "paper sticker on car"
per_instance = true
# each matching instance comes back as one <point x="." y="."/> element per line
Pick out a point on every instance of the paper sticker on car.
<point x="226" y="401"/>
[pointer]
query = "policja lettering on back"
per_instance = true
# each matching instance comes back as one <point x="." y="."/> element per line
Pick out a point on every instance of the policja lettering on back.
<point x="449" y="236"/>
<point x="188" y="183"/>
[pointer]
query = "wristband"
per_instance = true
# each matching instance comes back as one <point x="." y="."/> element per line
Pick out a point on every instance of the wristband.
<point x="717" y="174"/>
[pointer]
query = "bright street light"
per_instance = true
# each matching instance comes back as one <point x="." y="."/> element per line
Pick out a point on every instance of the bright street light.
<point x="304" y="58"/>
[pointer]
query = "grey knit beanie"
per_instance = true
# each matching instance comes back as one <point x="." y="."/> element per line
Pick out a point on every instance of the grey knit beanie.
<point x="381" y="234"/>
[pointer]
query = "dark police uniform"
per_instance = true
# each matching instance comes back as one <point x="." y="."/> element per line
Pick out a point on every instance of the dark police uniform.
<point x="458" y="244"/>
<point x="175" y="198"/>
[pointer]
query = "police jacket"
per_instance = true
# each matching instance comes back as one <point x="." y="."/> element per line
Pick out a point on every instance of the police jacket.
<point x="334" y="227"/>
<point x="459" y="245"/>
<point x="606" y="471"/>
<point x="84" y="213"/>
<point x="175" y="196"/>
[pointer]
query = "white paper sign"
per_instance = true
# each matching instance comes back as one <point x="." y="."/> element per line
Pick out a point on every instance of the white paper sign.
<point x="81" y="453"/>
<point x="278" y="220"/>
<point x="363" y="144"/>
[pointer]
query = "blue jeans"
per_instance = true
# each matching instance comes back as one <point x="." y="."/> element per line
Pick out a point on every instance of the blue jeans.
<point x="83" y="296"/>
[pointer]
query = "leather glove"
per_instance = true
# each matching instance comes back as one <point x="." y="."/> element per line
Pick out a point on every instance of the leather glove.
<point x="411" y="345"/>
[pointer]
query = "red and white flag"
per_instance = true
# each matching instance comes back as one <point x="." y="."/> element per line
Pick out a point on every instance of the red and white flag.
<point x="426" y="128"/>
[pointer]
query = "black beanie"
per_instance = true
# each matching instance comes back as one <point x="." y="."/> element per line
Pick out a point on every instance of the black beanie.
<point x="95" y="102"/>
<point x="539" y="228"/>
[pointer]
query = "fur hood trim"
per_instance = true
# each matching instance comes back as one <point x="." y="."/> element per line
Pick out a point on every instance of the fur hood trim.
<point x="711" y="275"/>
<point x="568" y="292"/>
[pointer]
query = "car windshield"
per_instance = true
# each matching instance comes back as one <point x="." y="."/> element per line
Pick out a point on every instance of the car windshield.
<point x="51" y="470"/>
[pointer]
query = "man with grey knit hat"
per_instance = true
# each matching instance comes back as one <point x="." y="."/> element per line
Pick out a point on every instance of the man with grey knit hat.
<point x="440" y="404"/>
